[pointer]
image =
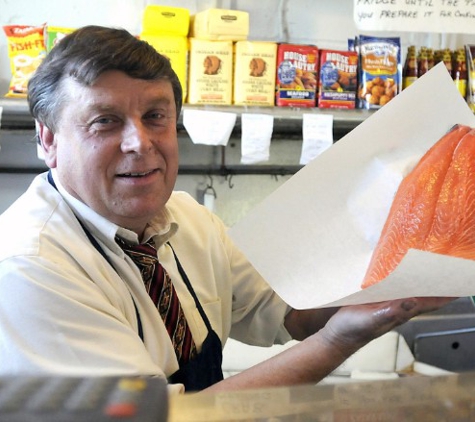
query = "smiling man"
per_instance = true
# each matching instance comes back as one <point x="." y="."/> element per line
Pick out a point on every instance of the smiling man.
<point x="105" y="270"/>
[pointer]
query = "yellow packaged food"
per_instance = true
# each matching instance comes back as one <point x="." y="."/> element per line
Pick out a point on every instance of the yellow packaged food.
<point x="54" y="34"/>
<point x="26" y="50"/>
<point x="176" y="49"/>
<point x="220" y="24"/>
<point x="254" y="73"/>
<point x="210" y="72"/>
<point x="166" y="20"/>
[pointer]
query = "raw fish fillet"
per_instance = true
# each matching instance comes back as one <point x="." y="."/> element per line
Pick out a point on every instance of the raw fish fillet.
<point x="434" y="207"/>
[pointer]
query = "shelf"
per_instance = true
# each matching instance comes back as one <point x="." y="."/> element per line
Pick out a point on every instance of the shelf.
<point x="16" y="115"/>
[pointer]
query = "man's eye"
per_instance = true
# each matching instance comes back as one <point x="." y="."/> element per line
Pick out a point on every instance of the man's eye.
<point x="103" y="121"/>
<point x="155" y="116"/>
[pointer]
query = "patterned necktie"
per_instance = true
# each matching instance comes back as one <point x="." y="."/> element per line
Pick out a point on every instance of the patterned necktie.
<point x="160" y="288"/>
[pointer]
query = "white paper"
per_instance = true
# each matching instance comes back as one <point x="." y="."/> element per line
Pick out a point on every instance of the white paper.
<point x="209" y="127"/>
<point x="310" y="238"/>
<point x="446" y="16"/>
<point x="317" y="130"/>
<point x="255" y="137"/>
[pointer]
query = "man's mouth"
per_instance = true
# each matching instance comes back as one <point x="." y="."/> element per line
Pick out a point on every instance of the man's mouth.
<point x="141" y="174"/>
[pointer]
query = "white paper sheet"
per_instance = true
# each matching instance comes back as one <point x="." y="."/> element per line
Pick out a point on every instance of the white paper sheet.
<point x="313" y="237"/>
<point x="256" y="137"/>
<point x="317" y="130"/>
<point x="209" y="127"/>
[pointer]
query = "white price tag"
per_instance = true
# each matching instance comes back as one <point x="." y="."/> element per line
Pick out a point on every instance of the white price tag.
<point x="317" y="135"/>
<point x="256" y="136"/>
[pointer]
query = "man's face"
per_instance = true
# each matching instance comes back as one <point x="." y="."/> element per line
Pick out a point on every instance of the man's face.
<point x="115" y="146"/>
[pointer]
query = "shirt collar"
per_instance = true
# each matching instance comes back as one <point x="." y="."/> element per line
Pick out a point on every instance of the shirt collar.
<point x="162" y="227"/>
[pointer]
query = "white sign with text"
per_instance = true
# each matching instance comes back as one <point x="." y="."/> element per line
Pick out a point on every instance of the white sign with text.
<point x="448" y="16"/>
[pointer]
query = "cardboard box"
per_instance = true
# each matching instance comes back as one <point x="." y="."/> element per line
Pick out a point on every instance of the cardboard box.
<point x="220" y="24"/>
<point x="338" y="79"/>
<point x="297" y="75"/>
<point x="176" y="49"/>
<point x="210" y="72"/>
<point x="254" y="73"/>
<point x="166" y="20"/>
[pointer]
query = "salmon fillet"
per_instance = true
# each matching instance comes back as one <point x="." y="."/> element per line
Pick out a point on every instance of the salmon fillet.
<point x="434" y="207"/>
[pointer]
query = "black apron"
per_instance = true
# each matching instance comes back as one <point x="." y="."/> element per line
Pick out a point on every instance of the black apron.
<point x="206" y="368"/>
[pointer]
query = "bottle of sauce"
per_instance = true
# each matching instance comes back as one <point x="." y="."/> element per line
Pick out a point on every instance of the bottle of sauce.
<point x="422" y="62"/>
<point x="447" y="59"/>
<point x="430" y="58"/>
<point x="459" y="71"/>
<point x="409" y="72"/>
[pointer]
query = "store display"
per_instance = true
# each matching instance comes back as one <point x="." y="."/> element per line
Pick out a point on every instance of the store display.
<point x="297" y="75"/>
<point x="433" y="207"/>
<point x="254" y="73"/>
<point x="338" y="79"/>
<point x="303" y="77"/>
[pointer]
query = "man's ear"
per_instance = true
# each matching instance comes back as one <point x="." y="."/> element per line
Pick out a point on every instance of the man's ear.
<point x="47" y="141"/>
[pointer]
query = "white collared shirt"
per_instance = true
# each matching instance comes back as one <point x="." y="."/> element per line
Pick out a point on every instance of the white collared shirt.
<point x="64" y="309"/>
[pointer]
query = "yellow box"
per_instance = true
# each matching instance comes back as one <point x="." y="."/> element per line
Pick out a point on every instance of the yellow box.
<point x="166" y="20"/>
<point x="210" y="72"/>
<point x="220" y="24"/>
<point x="176" y="49"/>
<point x="254" y="73"/>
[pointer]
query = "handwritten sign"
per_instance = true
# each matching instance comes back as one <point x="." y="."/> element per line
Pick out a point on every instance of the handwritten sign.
<point x="448" y="16"/>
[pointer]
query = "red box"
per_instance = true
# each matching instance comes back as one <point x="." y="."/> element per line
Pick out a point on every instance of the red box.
<point x="338" y="79"/>
<point x="297" y="75"/>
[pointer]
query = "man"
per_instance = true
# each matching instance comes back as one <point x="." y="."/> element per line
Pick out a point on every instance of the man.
<point x="73" y="300"/>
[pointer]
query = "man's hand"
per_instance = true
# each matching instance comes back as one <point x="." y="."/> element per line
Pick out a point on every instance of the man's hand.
<point x="354" y="326"/>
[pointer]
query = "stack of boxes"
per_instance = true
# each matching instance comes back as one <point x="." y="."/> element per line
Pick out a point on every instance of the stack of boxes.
<point x="211" y="55"/>
<point x="166" y="29"/>
<point x="218" y="65"/>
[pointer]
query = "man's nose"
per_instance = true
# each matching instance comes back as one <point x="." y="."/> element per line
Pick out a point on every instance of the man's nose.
<point x="136" y="138"/>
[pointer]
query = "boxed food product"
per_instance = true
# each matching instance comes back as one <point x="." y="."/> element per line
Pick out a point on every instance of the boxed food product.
<point x="210" y="72"/>
<point x="254" y="73"/>
<point x="380" y="70"/>
<point x="338" y="79"/>
<point x="166" y="20"/>
<point x="26" y="49"/>
<point x="297" y="70"/>
<point x="220" y="24"/>
<point x="55" y="34"/>
<point x="176" y="49"/>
